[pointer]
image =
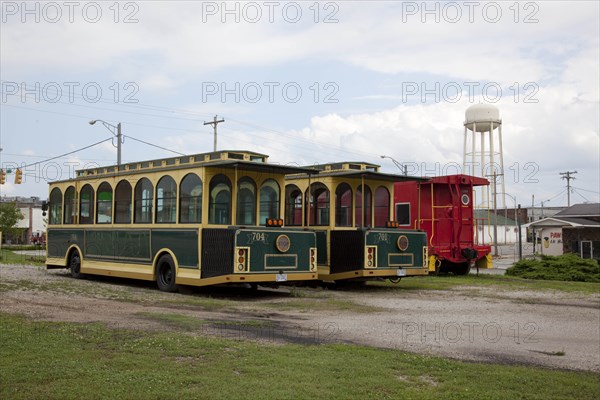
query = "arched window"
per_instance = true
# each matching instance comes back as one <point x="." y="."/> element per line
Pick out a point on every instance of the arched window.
<point x="55" y="216"/>
<point x="293" y="205"/>
<point x="269" y="200"/>
<point x="190" y="199"/>
<point x="363" y="217"/>
<point x="343" y="205"/>
<point x="382" y="206"/>
<point x="246" y="202"/>
<point x="166" y="200"/>
<point x="219" y="205"/>
<point x="123" y="202"/>
<point x="69" y="215"/>
<point x="142" y="202"/>
<point x="86" y="205"/>
<point x="318" y="205"/>
<point x="104" y="203"/>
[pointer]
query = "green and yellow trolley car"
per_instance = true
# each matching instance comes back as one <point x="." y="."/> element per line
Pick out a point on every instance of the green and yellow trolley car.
<point x="203" y="219"/>
<point x="348" y="204"/>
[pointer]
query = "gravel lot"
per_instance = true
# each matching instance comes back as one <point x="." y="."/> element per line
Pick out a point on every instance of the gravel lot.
<point x="546" y="328"/>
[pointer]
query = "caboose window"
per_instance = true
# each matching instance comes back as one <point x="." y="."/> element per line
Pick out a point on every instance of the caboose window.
<point x="403" y="213"/>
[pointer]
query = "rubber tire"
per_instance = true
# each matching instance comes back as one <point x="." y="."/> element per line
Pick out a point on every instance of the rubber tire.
<point x="75" y="265"/>
<point x="165" y="274"/>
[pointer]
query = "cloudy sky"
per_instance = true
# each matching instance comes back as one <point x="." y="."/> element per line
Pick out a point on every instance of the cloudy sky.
<point x="305" y="82"/>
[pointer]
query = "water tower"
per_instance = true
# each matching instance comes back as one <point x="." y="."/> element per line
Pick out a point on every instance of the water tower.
<point x="483" y="157"/>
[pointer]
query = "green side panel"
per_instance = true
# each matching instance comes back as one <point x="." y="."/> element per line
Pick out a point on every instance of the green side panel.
<point x="59" y="240"/>
<point x="264" y="255"/>
<point x="118" y="245"/>
<point x="388" y="253"/>
<point x="182" y="242"/>
<point x="321" y="247"/>
<point x="132" y="245"/>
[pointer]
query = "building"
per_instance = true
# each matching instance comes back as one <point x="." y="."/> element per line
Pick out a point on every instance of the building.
<point x="33" y="225"/>
<point x="574" y="230"/>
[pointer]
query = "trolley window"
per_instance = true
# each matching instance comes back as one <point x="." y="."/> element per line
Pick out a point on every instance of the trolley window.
<point x="104" y="204"/>
<point x="123" y="194"/>
<point x="55" y="216"/>
<point x="343" y="205"/>
<point x="382" y="207"/>
<point x="190" y="199"/>
<point x="318" y="207"/>
<point x="293" y="205"/>
<point x="269" y="200"/>
<point x="143" y="198"/>
<point x="166" y="200"/>
<point x="219" y="206"/>
<point x="69" y="215"/>
<point x="246" y="202"/>
<point x="86" y="205"/>
<point x="363" y="215"/>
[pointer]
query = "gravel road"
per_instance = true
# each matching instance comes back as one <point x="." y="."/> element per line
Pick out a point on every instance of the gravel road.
<point x="484" y="324"/>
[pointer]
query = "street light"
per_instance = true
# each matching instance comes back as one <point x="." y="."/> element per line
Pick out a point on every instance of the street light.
<point x="401" y="167"/>
<point x="118" y="135"/>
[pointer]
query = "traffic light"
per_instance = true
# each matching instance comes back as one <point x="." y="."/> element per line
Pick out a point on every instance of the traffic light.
<point x="18" y="176"/>
<point x="2" y="177"/>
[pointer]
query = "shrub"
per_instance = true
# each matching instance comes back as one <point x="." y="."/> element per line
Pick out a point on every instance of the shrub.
<point x="568" y="267"/>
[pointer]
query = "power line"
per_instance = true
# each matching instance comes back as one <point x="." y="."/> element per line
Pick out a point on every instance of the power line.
<point x="154" y="145"/>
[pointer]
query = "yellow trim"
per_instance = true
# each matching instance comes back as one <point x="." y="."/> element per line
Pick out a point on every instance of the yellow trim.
<point x="387" y="273"/>
<point x="62" y="261"/>
<point x="412" y="259"/>
<point x="248" y="278"/>
<point x="133" y="271"/>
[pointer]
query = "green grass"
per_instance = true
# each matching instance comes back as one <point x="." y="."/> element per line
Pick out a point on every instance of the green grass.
<point x="452" y="282"/>
<point x="46" y="360"/>
<point x="10" y="257"/>
<point x="567" y="267"/>
<point x="322" y="304"/>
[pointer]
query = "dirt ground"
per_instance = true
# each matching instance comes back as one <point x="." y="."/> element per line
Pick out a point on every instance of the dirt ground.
<point x="545" y="328"/>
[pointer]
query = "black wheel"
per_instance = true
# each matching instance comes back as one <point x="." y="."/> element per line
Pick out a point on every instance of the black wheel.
<point x="75" y="265"/>
<point x="462" y="269"/>
<point x="165" y="274"/>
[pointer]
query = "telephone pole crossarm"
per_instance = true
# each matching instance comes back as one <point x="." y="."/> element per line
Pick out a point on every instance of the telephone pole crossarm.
<point x="568" y="177"/>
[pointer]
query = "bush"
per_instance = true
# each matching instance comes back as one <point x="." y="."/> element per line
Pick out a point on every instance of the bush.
<point x="568" y="267"/>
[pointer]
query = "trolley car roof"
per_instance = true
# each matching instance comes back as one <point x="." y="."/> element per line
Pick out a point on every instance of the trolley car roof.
<point x="355" y="169"/>
<point x="241" y="159"/>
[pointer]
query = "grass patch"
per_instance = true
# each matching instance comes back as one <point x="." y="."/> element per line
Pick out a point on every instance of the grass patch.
<point x="452" y="282"/>
<point x="566" y="267"/>
<point x="10" y="257"/>
<point x="60" y="360"/>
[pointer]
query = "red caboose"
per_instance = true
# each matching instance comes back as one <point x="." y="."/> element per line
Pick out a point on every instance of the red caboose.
<point x="443" y="207"/>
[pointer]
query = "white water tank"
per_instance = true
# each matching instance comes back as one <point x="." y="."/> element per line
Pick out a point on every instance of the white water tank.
<point x="482" y="117"/>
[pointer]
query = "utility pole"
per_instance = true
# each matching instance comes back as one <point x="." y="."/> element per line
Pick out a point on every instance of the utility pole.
<point x="214" y="123"/>
<point x="568" y="177"/>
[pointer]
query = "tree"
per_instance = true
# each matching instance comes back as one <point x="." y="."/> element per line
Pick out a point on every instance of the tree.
<point x="10" y="215"/>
